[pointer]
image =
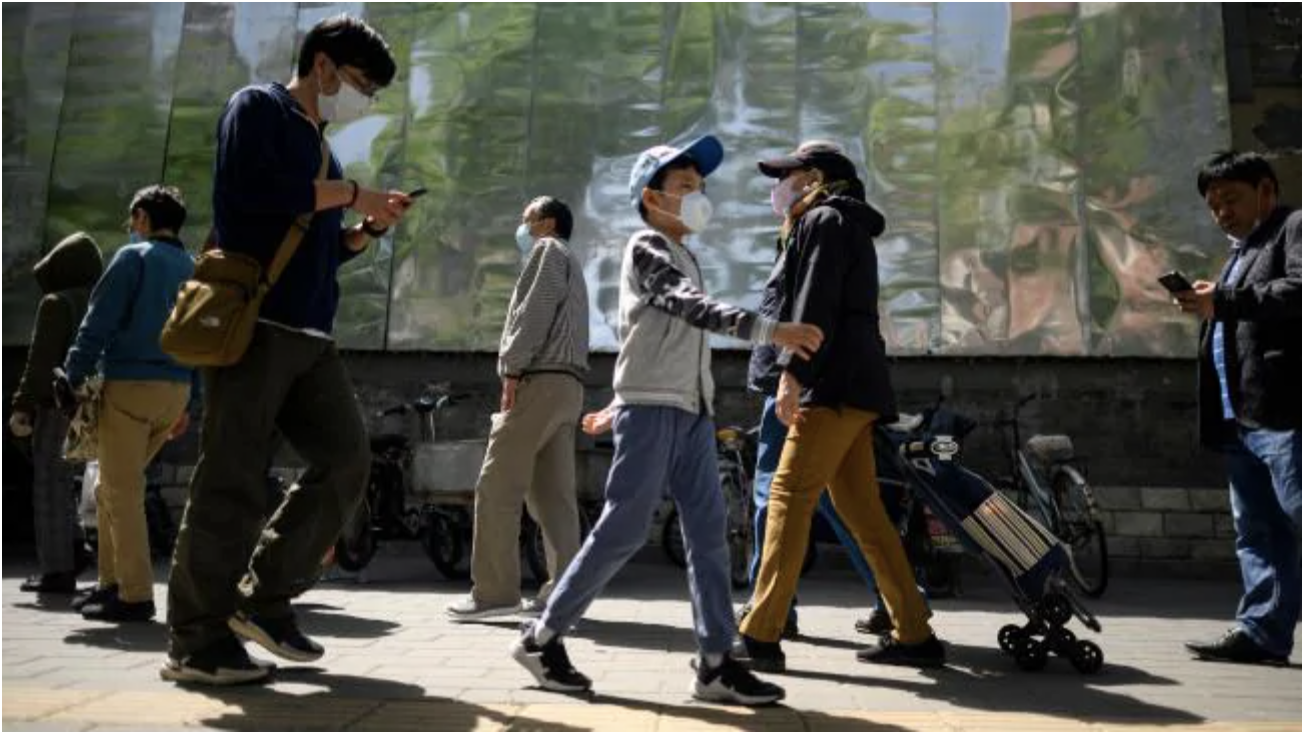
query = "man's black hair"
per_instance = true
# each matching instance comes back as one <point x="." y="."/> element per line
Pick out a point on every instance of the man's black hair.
<point x="657" y="181"/>
<point x="1231" y="165"/>
<point x="163" y="204"/>
<point x="552" y="208"/>
<point x="349" y="41"/>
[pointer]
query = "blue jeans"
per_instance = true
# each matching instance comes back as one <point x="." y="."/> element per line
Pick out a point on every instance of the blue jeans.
<point x="772" y="435"/>
<point x="1265" y="469"/>
<point x="657" y="449"/>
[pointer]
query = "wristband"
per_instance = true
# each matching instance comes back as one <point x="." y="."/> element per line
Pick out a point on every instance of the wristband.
<point x="373" y="233"/>
<point x="356" y="190"/>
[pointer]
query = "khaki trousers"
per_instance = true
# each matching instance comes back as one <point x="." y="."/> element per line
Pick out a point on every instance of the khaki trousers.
<point x="832" y="448"/>
<point x="529" y="460"/>
<point x="134" y="422"/>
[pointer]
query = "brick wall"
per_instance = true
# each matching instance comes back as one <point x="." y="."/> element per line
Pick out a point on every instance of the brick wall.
<point x="1186" y="532"/>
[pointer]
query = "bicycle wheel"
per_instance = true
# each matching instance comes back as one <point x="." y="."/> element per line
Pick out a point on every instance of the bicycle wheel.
<point x="357" y="543"/>
<point x="1081" y="530"/>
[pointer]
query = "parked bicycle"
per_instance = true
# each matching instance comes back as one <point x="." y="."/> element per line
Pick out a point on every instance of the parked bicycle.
<point x="424" y="490"/>
<point x="1048" y="479"/>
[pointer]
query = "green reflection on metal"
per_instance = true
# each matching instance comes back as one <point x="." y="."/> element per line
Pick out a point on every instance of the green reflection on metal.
<point x="1032" y="159"/>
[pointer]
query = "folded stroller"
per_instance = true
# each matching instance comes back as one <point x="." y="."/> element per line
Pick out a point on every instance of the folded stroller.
<point x="1028" y="557"/>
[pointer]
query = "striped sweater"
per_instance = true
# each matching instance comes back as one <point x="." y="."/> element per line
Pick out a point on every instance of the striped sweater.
<point x="546" y="326"/>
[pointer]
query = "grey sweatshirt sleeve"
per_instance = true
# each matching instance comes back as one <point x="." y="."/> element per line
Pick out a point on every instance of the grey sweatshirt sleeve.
<point x="669" y="289"/>
<point x="542" y="289"/>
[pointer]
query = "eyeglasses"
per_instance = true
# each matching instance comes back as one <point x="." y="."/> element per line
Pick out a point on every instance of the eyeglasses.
<point x="355" y="80"/>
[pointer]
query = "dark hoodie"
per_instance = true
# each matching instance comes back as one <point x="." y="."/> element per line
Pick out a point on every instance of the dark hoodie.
<point x="66" y="276"/>
<point x="827" y="276"/>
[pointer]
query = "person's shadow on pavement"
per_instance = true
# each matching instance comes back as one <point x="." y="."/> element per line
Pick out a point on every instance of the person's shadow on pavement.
<point x="307" y="698"/>
<point x="992" y="682"/>
<point x="152" y="636"/>
<point x="776" y="717"/>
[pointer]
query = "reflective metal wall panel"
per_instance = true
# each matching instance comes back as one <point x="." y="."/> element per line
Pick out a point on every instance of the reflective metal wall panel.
<point x="36" y="39"/>
<point x="1033" y="160"/>
<point x="117" y="102"/>
<point x="1155" y="103"/>
<point x="223" y="48"/>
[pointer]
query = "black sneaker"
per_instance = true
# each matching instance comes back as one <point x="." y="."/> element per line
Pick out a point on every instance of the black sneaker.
<point x="929" y="653"/>
<point x="94" y="595"/>
<point x="277" y="636"/>
<point x="731" y="682"/>
<point x="878" y="622"/>
<point x="63" y="582"/>
<point x="224" y="663"/>
<point x="766" y="657"/>
<point x="113" y="609"/>
<point x="549" y="664"/>
<point x="1235" y="646"/>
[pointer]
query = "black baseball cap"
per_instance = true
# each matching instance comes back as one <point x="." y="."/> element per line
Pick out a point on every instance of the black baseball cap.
<point x="824" y="155"/>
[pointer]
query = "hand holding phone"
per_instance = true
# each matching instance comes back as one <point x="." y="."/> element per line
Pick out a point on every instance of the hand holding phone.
<point x="1175" y="282"/>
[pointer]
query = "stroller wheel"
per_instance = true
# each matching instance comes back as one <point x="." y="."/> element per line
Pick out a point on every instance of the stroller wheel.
<point x="1056" y="609"/>
<point x="1031" y="655"/>
<point x="1062" y="641"/>
<point x="1087" y="658"/>
<point x="1010" y="638"/>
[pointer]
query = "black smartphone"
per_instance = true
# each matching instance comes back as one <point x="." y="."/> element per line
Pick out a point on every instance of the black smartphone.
<point x="417" y="192"/>
<point x="1175" y="281"/>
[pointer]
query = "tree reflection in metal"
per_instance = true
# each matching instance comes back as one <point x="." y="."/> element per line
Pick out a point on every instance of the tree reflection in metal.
<point x="1033" y="159"/>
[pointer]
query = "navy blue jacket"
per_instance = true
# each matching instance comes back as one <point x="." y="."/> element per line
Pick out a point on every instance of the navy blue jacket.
<point x="130" y="304"/>
<point x="268" y="154"/>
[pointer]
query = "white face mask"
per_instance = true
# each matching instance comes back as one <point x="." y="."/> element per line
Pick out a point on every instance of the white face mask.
<point x="345" y="106"/>
<point x="694" y="211"/>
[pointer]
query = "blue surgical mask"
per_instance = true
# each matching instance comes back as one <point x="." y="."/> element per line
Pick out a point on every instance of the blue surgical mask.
<point x="523" y="239"/>
<point x="134" y="237"/>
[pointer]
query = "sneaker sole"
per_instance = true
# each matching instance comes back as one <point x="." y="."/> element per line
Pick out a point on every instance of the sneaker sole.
<point x="254" y="633"/>
<point x="493" y="613"/>
<point x="182" y="674"/>
<point x="717" y="695"/>
<point x="533" y="664"/>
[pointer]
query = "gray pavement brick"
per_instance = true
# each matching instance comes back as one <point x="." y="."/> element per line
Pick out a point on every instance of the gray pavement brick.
<point x="394" y="663"/>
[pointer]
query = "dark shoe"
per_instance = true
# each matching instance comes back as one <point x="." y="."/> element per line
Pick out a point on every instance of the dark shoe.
<point x="1234" y="646"/>
<point x="549" y="664"/>
<point x="766" y="657"/>
<point x="113" y="609"/>
<point x="731" y="682"/>
<point x="878" y="622"/>
<point x="277" y="636"/>
<point x="222" y="664"/>
<point x="929" y="653"/>
<point x="63" y="582"/>
<point x="94" y="595"/>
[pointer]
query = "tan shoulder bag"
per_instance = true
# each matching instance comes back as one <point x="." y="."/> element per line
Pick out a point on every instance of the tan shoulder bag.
<point x="216" y="311"/>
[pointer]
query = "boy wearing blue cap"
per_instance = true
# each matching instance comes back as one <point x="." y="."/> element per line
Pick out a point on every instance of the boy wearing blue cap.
<point x="664" y="432"/>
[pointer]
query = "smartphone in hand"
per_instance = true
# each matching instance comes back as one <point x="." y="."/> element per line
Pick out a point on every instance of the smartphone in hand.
<point x="417" y="192"/>
<point x="1175" y="282"/>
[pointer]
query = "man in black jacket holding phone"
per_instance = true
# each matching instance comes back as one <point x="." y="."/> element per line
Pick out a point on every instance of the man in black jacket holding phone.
<point x="1250" y="397"/>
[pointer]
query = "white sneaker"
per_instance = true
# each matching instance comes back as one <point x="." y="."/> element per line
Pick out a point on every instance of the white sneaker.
<point x="467" y="609"/>
<point x="532" y="607"/>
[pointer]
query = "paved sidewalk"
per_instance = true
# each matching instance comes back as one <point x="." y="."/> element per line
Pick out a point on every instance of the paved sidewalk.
<point x="394" y="663"/>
